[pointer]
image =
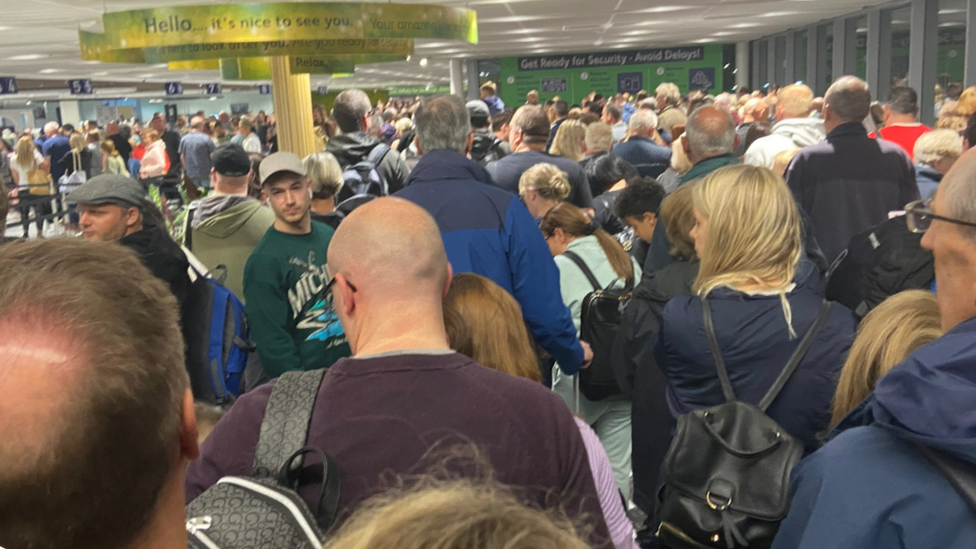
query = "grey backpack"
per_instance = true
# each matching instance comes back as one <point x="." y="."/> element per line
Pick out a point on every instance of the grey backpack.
<point x="265" y="511"/>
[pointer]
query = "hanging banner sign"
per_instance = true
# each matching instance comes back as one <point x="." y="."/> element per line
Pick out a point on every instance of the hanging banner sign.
<point x="204" y="65"/>
<point x="80" y="87"/>
<point x="187" y="52"/>
<point x="214" y="89"/>
<point x="8" y="85"/>
<point x="264" y="89"/>
<point x="610" y="59"/>
<point x="95" y="47"/>
<point x="174" y="88"/>
<point x="237" y="23"/>
<point x="420" y="90"/>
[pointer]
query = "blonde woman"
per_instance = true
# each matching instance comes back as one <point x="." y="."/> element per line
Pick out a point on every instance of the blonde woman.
<point x="570" y="140"/>
<point x="542" y="187"/>
<point x="326" y="175"/>
<point x="112" y="160"/>
<point x="78" y="158"/>
<point x="762" y="299"/>
<point x="24" y="163"/>
<point x="957" y="117"/>
<point x="889" y="334"/>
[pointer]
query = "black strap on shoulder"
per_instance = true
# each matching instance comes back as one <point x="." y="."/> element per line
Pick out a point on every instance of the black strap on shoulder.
<point x="586" y="270"/>
<point x="286" y="419"/>
<point x="788" y="370"/>
<point x="798" y="355"/>
<point x="961" y="475"/>
<point x="188" y="225"/>
<point x="377" y="154"/>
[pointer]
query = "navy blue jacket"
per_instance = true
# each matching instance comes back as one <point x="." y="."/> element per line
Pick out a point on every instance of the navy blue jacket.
<point x="488" y="231"/>
<point x="755" y="343"/>
<point x="868" y="488"/>
<point x="648" y="157"/>
<point x="848" y="184"/>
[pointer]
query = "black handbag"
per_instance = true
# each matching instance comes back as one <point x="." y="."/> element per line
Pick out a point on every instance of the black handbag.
<point x="600" y="317"/>
<point x="727" y="473"/>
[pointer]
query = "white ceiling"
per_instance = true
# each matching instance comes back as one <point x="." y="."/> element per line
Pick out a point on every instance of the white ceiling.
<point x="39" y="39"/>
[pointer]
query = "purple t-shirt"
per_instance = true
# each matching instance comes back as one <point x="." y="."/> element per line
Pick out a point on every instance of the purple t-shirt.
<point x="379" y="416"/>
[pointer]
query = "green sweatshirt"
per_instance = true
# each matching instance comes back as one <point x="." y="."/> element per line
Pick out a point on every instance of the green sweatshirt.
<point x="290" y="323"/>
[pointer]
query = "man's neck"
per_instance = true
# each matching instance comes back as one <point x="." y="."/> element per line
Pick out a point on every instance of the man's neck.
<point x="709" y="157"/>
<point x="229" y="191"/>
<point x="299" y="228"/>
<point x="412" y="326"/>
<point x="323" y="207"/>
<point x="525" y="147"/>
<point x="901" y="120"/>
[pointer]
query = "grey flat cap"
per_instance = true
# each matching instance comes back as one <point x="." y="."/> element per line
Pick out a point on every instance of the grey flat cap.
<point x="109" y="189"/>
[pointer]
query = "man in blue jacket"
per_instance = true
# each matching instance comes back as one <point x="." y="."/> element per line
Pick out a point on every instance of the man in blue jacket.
<point x="487" y="230"/>
<point x="870" y="487"/>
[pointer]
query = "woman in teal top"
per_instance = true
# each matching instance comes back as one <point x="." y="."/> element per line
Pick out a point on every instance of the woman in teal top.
<point x="567" y="228"/>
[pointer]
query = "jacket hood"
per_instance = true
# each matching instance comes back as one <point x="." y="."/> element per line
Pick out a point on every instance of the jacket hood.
<point x="350" y="148"/>
<point x="151" y="240"/>
<point x="444" y="164"/>
<point x="226" y="216"/>
<point x="929" y="397"/>
<point x="803" y="131"/>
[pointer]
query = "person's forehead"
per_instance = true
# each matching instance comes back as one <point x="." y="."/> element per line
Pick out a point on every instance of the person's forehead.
<point x="285" y="179"/>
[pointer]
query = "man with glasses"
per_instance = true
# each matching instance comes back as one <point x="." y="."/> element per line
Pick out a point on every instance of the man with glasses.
<point x="291" y="324"/>
<point x="881" y="481"/>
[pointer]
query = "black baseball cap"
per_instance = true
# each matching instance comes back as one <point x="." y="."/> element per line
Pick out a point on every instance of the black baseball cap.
<point x="231" y="161"/>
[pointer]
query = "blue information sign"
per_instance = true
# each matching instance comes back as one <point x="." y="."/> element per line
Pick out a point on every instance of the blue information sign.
<point x="265" y="89"/>
<point x="701" y="79"/>
<point x="213" y="89"/>
<point x="8" y="84"/>
<point x="174" y="88"/>
<point x="323" y="90"/>
<point x="80" y="87"/>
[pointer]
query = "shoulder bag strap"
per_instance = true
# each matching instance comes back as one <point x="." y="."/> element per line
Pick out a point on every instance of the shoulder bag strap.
<point x="286" y="419"/>
<point x="586" y="270"/>
<point x="723" y="374"/>
<point x="961" y="475"/>
<point x="377" y="154"/>
<point x="798" y="355"/>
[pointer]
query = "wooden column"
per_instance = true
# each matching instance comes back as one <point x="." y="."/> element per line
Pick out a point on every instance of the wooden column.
<point x="293" y="109"/>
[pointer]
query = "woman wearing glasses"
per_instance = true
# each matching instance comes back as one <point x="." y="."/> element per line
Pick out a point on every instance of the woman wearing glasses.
<point x="755" y="291"/>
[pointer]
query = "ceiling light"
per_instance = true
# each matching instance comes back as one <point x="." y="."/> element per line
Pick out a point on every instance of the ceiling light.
<point x="408" y="57"/>
<point x="423" y="62"/>
<point x="703" y="41"/>
<point x="952" y="24"/>
<point x="662" y="9"/>
<point x="27" y="57"/>
<point x="599" y="42"/>
<point x="779" y="13"/>
<point x="941" y="12"/>
<point x="28" y="102"/>
<point x="49" y="71"/>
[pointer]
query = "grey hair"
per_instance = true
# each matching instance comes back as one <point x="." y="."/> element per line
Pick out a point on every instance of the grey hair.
<point x="849" y="98"/>
<point x="643" y="122"/>
<point x="326" y="175"/>
<point x="443" y="123"/>
<point x="351" y="106"/>
<point x="669" y="92"/>
<point x="705" y="137"/>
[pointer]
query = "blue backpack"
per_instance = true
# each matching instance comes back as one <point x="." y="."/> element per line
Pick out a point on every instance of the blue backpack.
<point x="217" y="337"/>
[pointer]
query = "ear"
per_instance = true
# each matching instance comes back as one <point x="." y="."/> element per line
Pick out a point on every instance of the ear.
<point x="467" y="148"/>
<point x="131" y="216"/>
<point x="447" y="282"/>
<point x="213" y="177"/>
<point x="416" y="143"/>
<point x="687" y="148"/>
<point x="348" y="296"/>
<point x="650" y="217"/>
<point x="189" y="434"/>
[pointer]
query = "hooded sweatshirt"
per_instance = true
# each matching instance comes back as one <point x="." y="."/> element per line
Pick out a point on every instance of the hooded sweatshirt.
<point x="224" y="231"/>
<point x="869" y="487"/>
<point x="352" y="148"/>
<point x="792" y="133"/>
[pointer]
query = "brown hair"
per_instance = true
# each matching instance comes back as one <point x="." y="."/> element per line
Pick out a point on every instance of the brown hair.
<point x="93" y="475"/>
<point x="575" y="223"/>
<point x="533" y="122"/>
<point x="456" y="515"/>
<point x="485" y="323"/>
<point x="678" y="216"/>
<point x="887" y="335"/>
<point x="108" y="147"/>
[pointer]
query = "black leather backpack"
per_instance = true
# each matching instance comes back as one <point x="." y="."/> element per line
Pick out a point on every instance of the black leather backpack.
<point x="727" y="473"/>
<point x="600" y="318"/>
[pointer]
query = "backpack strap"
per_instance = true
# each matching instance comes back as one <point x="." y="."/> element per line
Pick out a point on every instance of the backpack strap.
<point x="586" y="270"/>
<point x="723" y="374"/>
<point x="377" y="154"/>
<point x="286" y="420"/>
<point x="961" y="475"/>
<point x="798" y="355"/>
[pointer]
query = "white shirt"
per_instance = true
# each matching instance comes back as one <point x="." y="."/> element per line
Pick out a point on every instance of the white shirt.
<point x="251" y="143"/>
<point x="22" y="171"/>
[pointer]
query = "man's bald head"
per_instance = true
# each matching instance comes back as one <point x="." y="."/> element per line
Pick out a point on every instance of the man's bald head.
<point x="959" y="186"/>
<point x="390" y="247"/>
<point x="849" y="99"/>
<point x="710" y="132"/>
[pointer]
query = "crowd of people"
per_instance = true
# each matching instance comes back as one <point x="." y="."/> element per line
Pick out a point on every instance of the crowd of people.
<point x="522" y="315"/>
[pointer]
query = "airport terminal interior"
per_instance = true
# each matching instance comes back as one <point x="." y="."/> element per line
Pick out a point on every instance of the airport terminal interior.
<point x="488" y="274"/>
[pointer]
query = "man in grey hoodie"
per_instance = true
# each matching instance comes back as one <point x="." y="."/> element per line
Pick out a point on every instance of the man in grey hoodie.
<point x="794" y="128"/>
<point x="224" y="227"/>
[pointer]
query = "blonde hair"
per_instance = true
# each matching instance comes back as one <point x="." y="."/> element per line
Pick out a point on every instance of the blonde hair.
<point x="599" y="136"/>
<point x="783" y="159"/>
<point x="326" y="175"/>
<point x="485" y="323"/>
<point x="679" y="158"/>
<point x="574" y="222"/>
<point x="795" y="100"/>
<point x="108" y="147"/>
<point x="402" y="125"/>
<point x="887" y="336"/>
<point x="456" y="515"/>
<point x="574" y="113"/>
<point x="753" y="234"/>
<point x="24" y="156"/>
<point x="568" y="142"/>
<point x="546" y="179"/>
<point x="937" y="145"/>
<point x="78" y="142"/>
<point x="678" y="216"/>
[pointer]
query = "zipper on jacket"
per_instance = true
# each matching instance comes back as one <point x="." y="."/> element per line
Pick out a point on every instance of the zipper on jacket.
<point x="279" y="499"/>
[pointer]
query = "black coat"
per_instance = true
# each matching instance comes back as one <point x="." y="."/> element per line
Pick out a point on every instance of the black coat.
<point x="162" y="257"/>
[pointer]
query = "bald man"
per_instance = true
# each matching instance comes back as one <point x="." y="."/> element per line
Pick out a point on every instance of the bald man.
<point x="102" y="464"/>
<point x="850" y="182"/>
<point x="405" y="392"/>
<point x="919" y="412"/>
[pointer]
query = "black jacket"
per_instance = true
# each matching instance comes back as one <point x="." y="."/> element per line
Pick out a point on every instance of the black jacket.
<point x="641" y="380"/>
<point x="162" y="257"/>
<point x="485" y="147"/>
<point x="849" y="183"/>
<point x="68" y="163"/>
<point x="351" y="148"/>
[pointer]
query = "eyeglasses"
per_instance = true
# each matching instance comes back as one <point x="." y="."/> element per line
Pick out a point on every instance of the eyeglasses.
<point x="919" y="217"/>
<point x="327" y="291"/>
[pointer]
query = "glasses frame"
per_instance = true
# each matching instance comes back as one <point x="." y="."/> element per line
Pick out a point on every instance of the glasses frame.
<point x="327" y="291"/>
<point x="923" y="209"/>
